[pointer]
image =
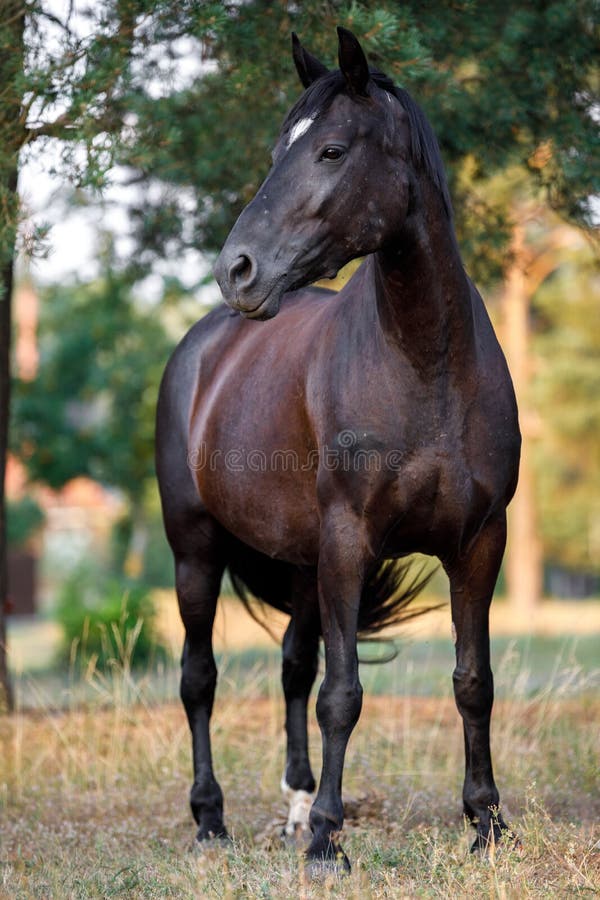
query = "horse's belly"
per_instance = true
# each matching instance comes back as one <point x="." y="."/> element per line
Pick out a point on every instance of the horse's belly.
<point x="266" y="498"/>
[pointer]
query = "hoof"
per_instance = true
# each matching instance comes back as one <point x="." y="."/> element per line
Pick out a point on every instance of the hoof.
<point x="498" y="836"/>
<point x="207" y="842"/>
<point x="334" y="864"/>
<point x="325" y="869"/>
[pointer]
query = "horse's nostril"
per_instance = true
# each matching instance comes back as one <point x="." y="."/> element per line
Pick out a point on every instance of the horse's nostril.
<point x="241" y="271"/>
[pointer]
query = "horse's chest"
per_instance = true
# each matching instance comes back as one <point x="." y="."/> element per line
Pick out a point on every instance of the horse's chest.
<point x="430" y="495"/>
<point x="435" y="482"/>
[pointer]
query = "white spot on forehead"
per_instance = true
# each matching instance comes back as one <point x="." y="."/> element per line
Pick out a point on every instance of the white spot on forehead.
<point x="300" y="128"/>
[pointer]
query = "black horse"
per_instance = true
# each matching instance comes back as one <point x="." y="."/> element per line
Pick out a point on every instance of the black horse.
<point x="305" y="452"/>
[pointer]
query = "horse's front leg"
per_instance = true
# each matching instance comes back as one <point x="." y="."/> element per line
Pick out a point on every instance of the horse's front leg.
<point x="299" y="670"/>
<point x="342" y="565"/>
<point x="472" y="581"/>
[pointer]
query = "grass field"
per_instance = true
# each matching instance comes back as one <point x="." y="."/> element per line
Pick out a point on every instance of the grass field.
<point x="93" y="799"/>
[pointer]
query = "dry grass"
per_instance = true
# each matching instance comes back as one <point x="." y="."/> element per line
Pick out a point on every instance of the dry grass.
<point x="93" y="802"/>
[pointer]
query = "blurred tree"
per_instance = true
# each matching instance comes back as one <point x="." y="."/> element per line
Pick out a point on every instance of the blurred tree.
<point x="65" y="71"/>
<point x="90" y="410"/>
<point x="524" y="557"/>
<point x="499" y="81"/>
<point x="565" y="388"/>
<point x="546" y="315"/>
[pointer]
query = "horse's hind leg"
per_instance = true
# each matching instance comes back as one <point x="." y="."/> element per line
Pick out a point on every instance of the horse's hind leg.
<point x="198" y="575"/>
<point x="472" y="581"/>
<point x="299" y="670"/>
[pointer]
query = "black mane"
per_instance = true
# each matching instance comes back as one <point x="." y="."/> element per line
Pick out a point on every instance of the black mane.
<point x="424" y="148"/>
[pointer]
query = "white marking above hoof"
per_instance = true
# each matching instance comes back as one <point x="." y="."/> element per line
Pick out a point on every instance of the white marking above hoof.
<point x="300" y="804"/>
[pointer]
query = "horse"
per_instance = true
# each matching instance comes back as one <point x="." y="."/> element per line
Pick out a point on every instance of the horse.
<point x="310" y="450"/>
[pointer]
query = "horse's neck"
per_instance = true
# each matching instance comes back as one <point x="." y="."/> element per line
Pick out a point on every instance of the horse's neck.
<point x="423" y="295"/>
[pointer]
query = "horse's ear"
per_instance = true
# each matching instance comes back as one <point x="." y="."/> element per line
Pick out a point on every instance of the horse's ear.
<point x="353" y="62"/>
<point x="308" y="66"/>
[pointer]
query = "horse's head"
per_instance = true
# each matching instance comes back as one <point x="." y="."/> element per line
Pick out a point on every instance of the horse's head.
<point x="340" y="186"/>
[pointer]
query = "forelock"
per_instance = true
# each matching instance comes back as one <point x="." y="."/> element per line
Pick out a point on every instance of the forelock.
<point x="424" y="149"/>
<point x="316" y="99"/>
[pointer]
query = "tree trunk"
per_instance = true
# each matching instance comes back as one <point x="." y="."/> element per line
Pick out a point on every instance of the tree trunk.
<point x="6" y="694"/>
<point x="12" y="136"/>
<point x="524" y="563"/>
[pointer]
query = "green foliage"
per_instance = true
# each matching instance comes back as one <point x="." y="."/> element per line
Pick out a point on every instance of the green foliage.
<point x="65" y="73"/>
<point x="107" y="621"/>
<point x="501" y="82"/>
<point x="23" y="519"/>
<point x="90" y="411"/>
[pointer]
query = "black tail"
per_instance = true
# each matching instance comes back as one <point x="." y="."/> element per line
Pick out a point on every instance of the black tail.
<point x="258" y="580"/>
<point x="387" y="593"/>
<point x="389" y="589"/>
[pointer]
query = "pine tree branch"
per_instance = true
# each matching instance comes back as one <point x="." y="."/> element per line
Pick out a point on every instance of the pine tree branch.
<point x="12" y="19"/>
<point x="67" y="126"/>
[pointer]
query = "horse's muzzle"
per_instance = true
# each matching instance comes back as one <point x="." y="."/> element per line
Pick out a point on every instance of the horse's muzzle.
<point x="242" y="289"/>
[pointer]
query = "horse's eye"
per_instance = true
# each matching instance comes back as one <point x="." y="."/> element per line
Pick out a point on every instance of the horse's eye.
<point x="332" y="153"/>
